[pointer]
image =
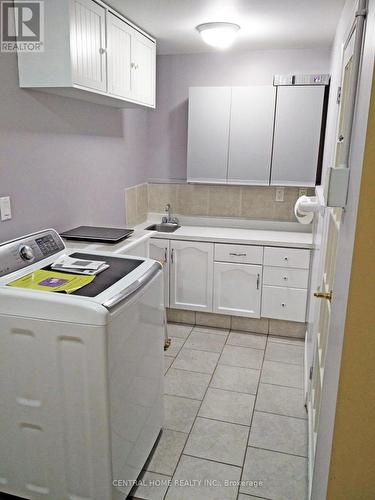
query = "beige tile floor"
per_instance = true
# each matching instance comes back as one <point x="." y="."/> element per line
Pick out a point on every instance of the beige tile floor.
<point x="235" y="423"/>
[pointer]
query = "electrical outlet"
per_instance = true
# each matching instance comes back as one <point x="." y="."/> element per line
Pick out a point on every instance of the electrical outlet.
<point x="5" y="210"/>
<point x="279" y="196"/>
<point x="302" y="192"/>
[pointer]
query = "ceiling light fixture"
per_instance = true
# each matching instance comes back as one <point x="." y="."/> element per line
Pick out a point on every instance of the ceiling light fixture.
<point x="219" y="35"/>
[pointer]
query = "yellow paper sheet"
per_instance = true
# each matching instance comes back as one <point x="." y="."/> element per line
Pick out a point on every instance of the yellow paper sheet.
<point x="51" y="281"/>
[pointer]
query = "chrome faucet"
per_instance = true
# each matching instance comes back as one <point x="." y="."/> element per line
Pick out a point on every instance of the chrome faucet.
<point x="168" y="219"/>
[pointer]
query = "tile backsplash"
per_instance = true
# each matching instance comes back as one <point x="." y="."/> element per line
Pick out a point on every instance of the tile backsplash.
<point x="246" y="202"/>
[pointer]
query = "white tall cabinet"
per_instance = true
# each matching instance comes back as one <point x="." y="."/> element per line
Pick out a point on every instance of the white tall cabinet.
<point x="191" y="275"/>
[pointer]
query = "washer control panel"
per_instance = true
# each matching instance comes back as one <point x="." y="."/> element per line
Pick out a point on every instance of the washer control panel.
<point x="22" y="252"/>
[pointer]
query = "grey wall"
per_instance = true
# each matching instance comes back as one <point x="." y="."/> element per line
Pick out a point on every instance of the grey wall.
<point x="167" y="137"/>
<point x="64" y="162"/>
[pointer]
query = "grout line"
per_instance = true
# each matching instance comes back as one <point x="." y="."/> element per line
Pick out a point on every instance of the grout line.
<point x="218" y="420"/>
<point x="278" y="451"/>
<point x="210" y="460"/>
<point x="196" y="416"/>
<point x="279" y="414"/>
<point x="252" y="418"/>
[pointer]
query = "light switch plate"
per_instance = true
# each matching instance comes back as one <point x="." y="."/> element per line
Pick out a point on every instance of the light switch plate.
<point x="5" y="210"/>
<point x="279" y="195"/>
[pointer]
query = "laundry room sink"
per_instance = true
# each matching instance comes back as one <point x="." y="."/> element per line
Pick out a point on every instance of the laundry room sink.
<point x="164" y="227"/>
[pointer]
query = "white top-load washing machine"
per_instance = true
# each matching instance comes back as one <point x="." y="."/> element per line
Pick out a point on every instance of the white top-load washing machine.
<point x="81" y="375"/>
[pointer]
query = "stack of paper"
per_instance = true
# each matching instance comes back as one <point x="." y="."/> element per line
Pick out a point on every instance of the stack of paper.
<point x="79" y="266"/>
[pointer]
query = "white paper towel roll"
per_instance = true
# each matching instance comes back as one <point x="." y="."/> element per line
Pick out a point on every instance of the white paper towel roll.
<point x="305" y="208"/>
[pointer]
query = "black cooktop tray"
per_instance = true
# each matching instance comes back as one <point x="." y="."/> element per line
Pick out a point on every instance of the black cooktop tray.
<point x="97" y="234"/>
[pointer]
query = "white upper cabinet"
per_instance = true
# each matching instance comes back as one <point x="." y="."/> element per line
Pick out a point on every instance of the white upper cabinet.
<point x="251" y="129"/>
<point x="258" y="135"/>
<point x="143" y="58"/>
<point x="119" y="56"/>
<point x="92" y="53"/>
<point x="208" y="134"/>
<point x="88" y="43"/>
<point x="298" y="125"/>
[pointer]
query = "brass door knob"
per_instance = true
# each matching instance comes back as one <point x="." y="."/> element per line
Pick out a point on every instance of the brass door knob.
<point x="323" y="295"/>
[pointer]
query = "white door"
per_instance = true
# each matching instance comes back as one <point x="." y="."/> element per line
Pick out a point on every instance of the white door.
<point x="208" y="134"/>
<point x="191" y="275"/>
<point x="330" y="225"/>
<point x="237" y="289"/>
<point x="251" y="133"/>
<point x="88" y="44"/>
<point x="119" y="56"/>
<point x="298" y="123"/>
<point x="159" y="250"/>
<point x="143" y="57"/>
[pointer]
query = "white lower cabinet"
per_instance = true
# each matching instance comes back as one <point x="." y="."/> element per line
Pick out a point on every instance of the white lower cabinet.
<point x="237" y="289"/>
<point x="230" y="278"/>
<point x="284" y="303"/>
<point x="159" y="250"/>
<point x="191" y="275"/>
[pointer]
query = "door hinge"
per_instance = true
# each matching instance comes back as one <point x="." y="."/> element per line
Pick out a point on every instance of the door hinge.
<point x="338" y="99"/>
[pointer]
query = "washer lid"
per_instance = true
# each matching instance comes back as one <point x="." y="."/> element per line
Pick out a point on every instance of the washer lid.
<point x="119" y="267"/>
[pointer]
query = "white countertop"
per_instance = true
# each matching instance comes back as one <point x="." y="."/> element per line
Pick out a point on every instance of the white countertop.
<point x="240" y="236"/>
<point x="278" y="235"/>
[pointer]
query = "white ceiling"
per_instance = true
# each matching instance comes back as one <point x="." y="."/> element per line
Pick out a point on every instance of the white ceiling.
<point x="264" y="24"/>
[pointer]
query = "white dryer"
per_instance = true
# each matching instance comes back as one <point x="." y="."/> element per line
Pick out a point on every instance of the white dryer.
<point x="81" y="375"/>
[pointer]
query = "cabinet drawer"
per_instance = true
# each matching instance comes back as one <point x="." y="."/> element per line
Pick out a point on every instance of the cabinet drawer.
<point x="245" y="254"/>
<point x="283" y="276"/>
<point x="286" y="257"/>
<point x="284" y="303"/>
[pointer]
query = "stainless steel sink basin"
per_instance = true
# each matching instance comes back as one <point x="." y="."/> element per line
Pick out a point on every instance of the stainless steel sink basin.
<point x="164" y="227"/>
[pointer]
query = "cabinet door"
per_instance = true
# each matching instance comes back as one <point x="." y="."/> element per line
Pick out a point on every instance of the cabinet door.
<point x="159" y="250"/>
<point x="298" y="124"/>
<point x="143" y="57"/>
<point x="88" y="44"/>
<point x="208" y="134"/>
<point x="237" y="289"/>
<point x="119" y="56"/>
<point x="251" y="132"/>
<point x="191" y="275"/>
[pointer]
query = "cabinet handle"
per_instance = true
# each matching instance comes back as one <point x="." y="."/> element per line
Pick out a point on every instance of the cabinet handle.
<point x="166" y="255"/>
<point x="172" y="255"/>
<point x="134" y="65"/>
<point x="258" y="281"/>
<point x="238" y="254"/>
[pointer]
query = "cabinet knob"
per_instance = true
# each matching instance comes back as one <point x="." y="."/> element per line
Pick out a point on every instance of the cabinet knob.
<point x="285" y="278"/>
<point x="285" y="258"/>
<point x="102" y="51"/>
<point x="134" y="65"/>
<point x="283" y="304"/>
